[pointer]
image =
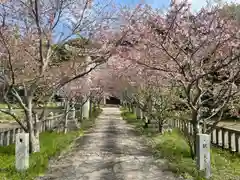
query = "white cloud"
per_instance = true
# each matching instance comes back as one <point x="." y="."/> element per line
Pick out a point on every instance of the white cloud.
<point x="198" y="4"/>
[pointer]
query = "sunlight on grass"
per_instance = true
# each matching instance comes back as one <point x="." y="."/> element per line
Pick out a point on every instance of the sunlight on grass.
<point x="5" y="117"/>
<point x="173" y="147"/>
<point x="51" y="143"/>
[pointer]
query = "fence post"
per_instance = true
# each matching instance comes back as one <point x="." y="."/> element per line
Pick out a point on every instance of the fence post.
<point x="104" y="100"/>
<point x="225" y="139"/>
<point x="73" y="113"/>
<point x="138" y="112"/>
<point x="6" y="138"/>
<point x="230" y="144"/>
<point x="48" y="125"/>
<point x="22" y="151"/>
<point x="72" y="123"/>
<point x="237" y="142"/>
<point x="51" y="120"/>
<point x="12" y="136"/>
<point x="141" y="114"/>
<point x="85" y="109"/>
<point x="38" y="126"/>
<point x="203" y="154"/>
<point x="1" y="138"/>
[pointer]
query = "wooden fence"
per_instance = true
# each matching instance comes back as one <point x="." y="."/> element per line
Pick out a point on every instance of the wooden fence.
<point x="7" y="136"/>
<point x="223" y="137"/>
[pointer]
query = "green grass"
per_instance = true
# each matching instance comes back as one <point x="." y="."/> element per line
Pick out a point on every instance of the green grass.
<point x="2" y="105"/>
<point x="19" y="111"/>
<point x="86" y="124"/>
<point x="173" y="147"/>
<point x="51" y="104"/>
<point x="7" y="117"/>
<point x="51" y="143"/>
<point x="131" y="119"/>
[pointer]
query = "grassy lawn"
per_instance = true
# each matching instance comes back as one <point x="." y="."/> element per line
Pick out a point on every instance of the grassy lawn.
<point x="173" y="147"/>
<point x="51" y="104"/>
<point x="86" y="124"/>
<point x="2" y="106"/>
<point x="52" y="144"/>
<point x="19" y="112"/>
<point x="6" y="117"/>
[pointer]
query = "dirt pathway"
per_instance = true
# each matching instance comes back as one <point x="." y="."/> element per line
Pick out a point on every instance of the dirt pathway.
<point x="112" y="151"/>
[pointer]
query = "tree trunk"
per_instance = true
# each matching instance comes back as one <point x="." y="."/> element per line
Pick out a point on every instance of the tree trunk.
<point x="146" y="121"/>
<point x="98" y="105"/>
<point x="33" y="143"/>
<point x="193" y="147"/>
<point x="90" y="107"/>
<point x="132" y="108"/>
<point x="94" y="107"/>
<point x="194" y="144"/>
<point x="160" y="126"/>
<point x="36" y="133"/>
<point x="33" y="140"/>
<point x="66" y="116"/>
<point x="81" y="112"/>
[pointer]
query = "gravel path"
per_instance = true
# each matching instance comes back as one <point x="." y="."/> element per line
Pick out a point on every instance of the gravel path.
<point x="112" y="151"/>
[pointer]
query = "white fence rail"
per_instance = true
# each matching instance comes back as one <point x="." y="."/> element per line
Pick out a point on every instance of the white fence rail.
<point x="223" y="137"/>
<point x="7" y="136"/>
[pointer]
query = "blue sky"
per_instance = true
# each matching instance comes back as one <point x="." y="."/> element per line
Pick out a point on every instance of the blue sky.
<point x="161" y="4"/>
<point x="131" y="3"/>
<point x="196" y="4"/>
<point x="153" y="3"/>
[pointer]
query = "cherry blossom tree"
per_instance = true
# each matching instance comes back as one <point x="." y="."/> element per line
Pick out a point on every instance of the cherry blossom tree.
<point x="199" y="52"/>
<point x="141" y="88"/>
<point x="26" y="38"/>
<point x="74" y="93"/>
<point x="28" y="34"/>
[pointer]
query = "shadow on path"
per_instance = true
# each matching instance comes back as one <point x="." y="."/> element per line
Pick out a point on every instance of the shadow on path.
<point x="110" y="145"/>
<point x="111" y="151"/>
